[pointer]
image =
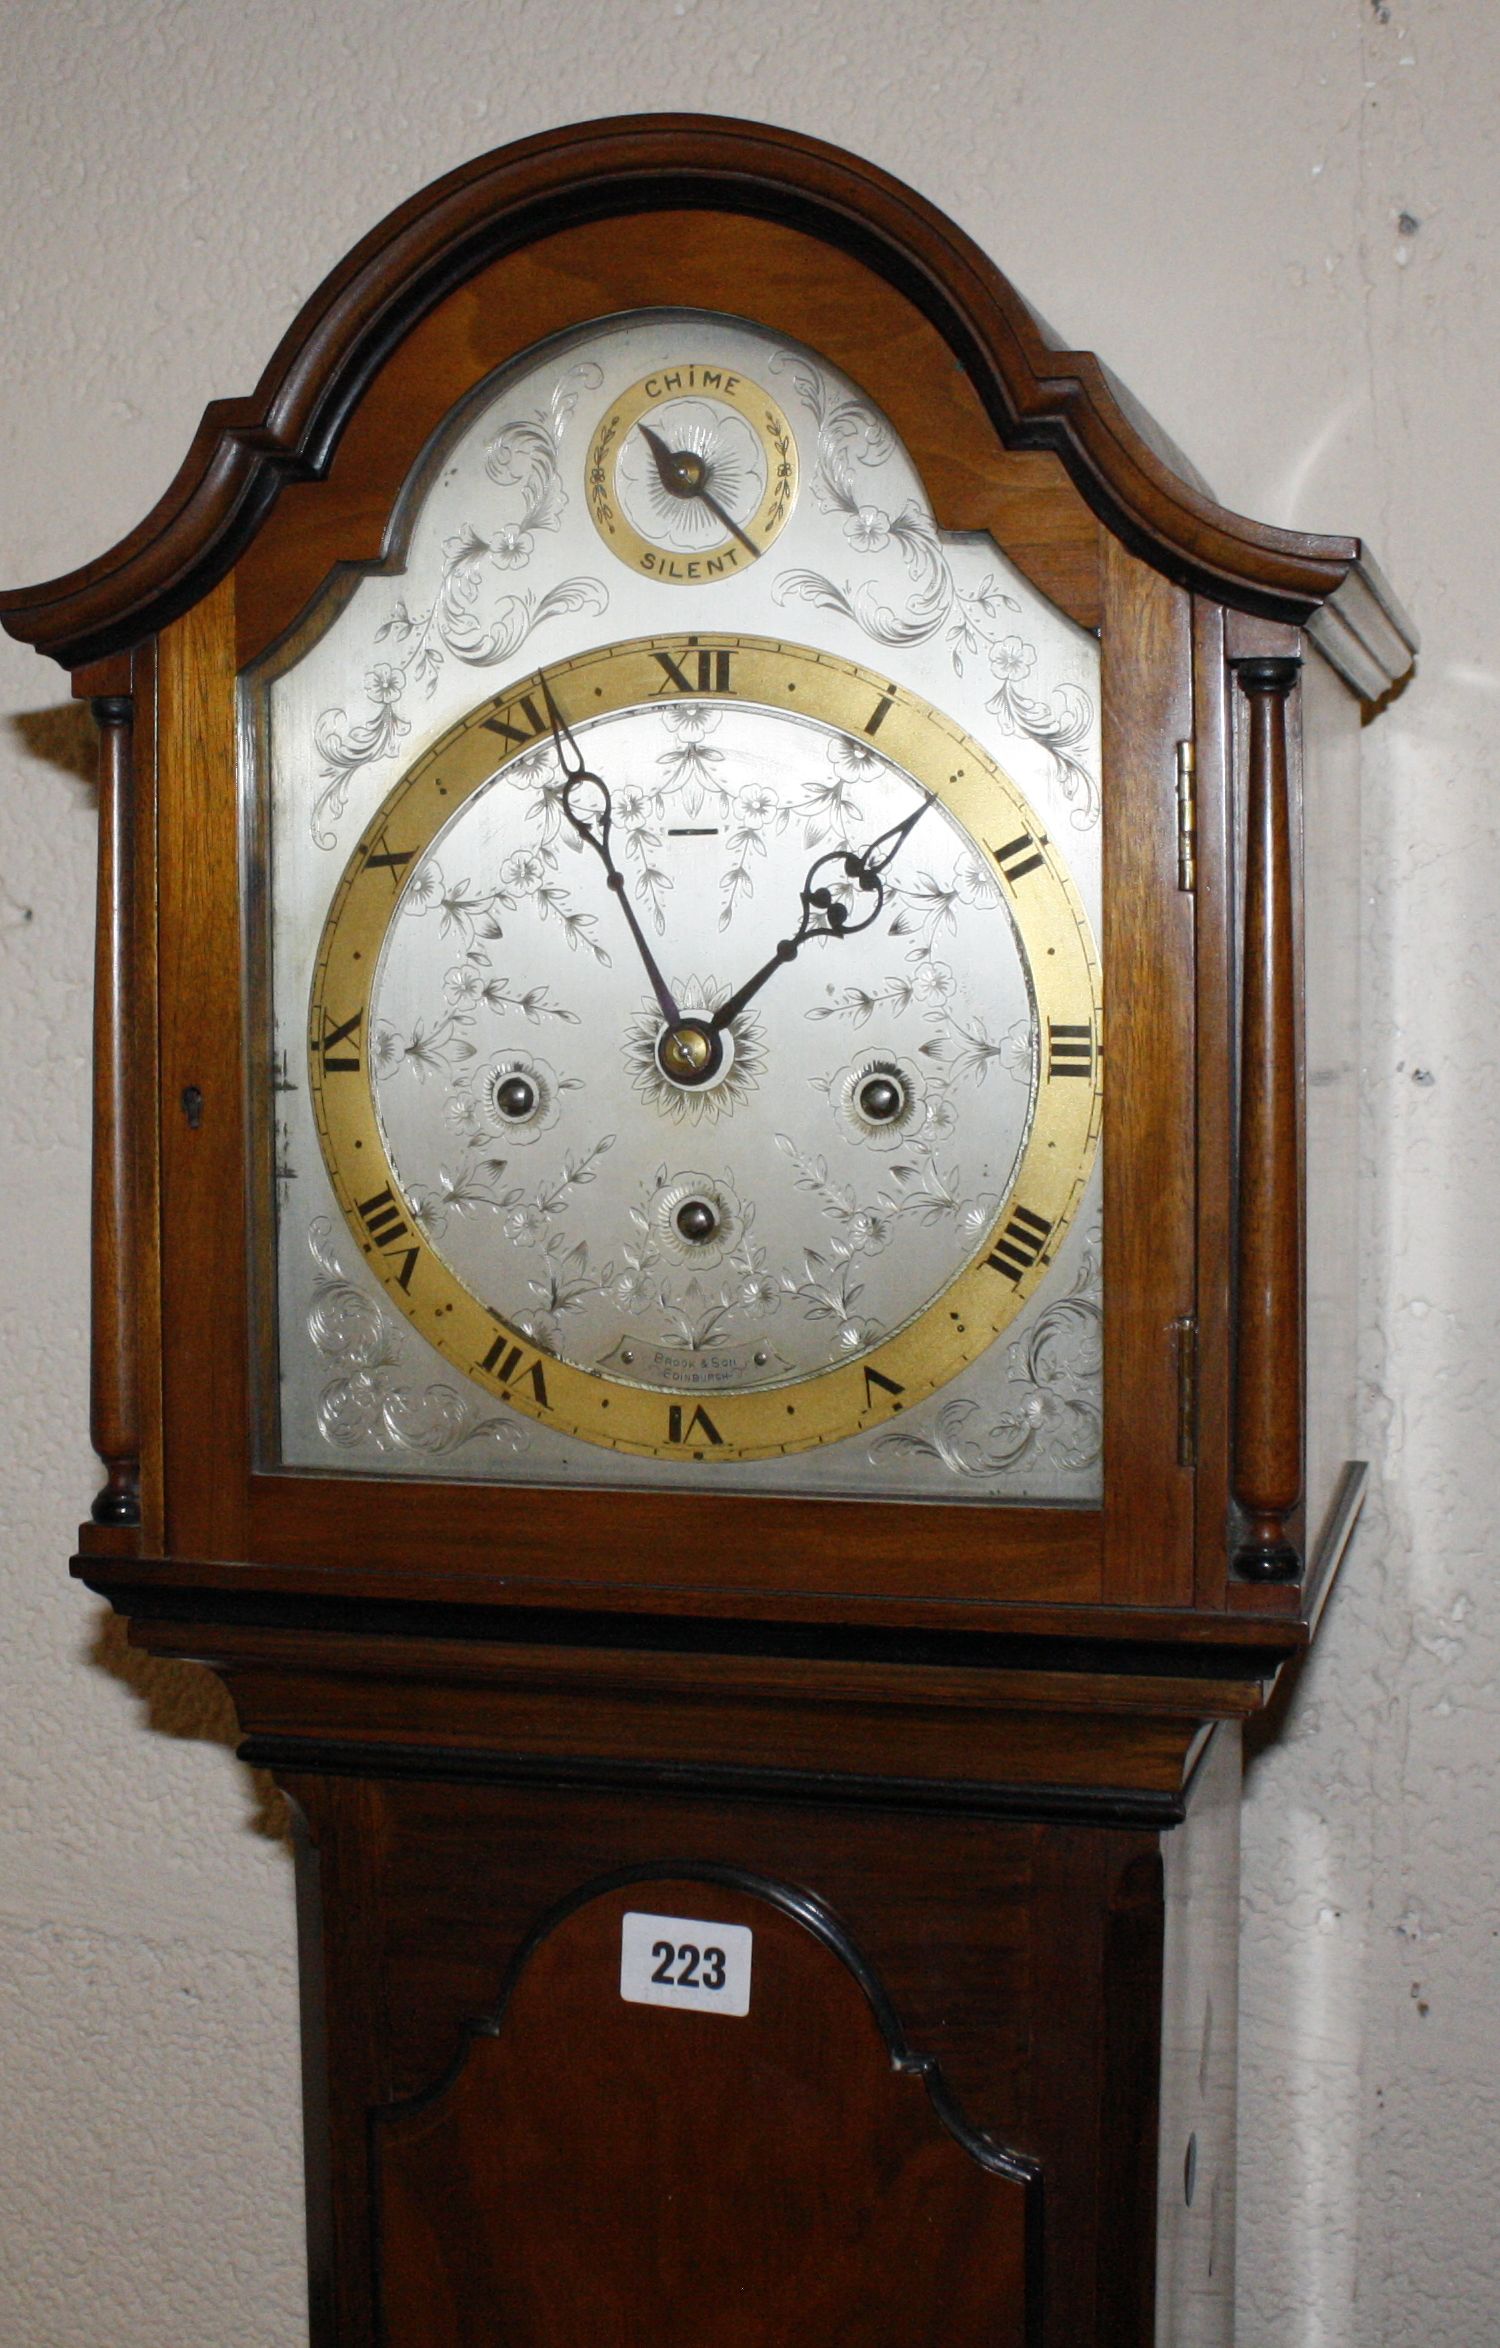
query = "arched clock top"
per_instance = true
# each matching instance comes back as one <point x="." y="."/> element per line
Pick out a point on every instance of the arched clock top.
<point x="1036" y="396"/>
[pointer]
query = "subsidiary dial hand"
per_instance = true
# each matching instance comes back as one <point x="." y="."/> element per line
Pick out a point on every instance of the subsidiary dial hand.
<point x="586" y="804"/>
<point x="823" y="916"/>
<point x="683" y="473"/>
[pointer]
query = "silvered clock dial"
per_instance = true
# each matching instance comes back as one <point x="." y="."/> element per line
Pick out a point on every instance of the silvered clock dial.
<point x="620" y="1100"/>
<point x="686" y="1002"/>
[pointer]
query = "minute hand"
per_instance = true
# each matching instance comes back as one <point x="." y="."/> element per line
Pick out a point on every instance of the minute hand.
<point x="593" y="824"/>
<point x="818" y="900"/>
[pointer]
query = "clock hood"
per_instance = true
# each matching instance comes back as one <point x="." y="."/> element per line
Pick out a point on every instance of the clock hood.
<point x="1036" y="395"/>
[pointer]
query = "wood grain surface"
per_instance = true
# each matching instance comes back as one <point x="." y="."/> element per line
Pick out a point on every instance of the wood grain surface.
<point x="596" y="2169"/>
<point x="1268" y="1380"/>
<point x="114" y="1397"/>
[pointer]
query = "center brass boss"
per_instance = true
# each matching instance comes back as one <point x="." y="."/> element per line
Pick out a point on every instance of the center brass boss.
<point x="689" y="1054"/>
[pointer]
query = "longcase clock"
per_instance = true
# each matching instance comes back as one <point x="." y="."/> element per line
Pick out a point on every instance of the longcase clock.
<point x="722" y="1281"/>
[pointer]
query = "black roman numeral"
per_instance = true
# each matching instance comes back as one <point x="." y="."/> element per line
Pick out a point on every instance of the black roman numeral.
<point x="504" y="1360"/>
<point x="699" y="1423"/>
<point x="1019" y="1245"/>
<point x="391" y="860"/>
<point x="1018" y="857"/>
<point x="346" y="1063"/>
<point x="1070" y="1050"/>
<point x="874" y="1378"/>
<point x="525" y="708"/>
<point x="713" y="672"/>
<point x="387" y="1227"/>
<point x="383" y="1219"/>
<point x="877" y="718"/>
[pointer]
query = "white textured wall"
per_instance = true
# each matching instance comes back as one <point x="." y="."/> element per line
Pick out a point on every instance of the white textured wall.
<point x="1278" y="222"/>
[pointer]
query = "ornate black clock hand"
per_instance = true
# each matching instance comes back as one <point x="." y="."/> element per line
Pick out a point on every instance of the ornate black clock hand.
<point x="593" y="824"/>
<point x="722" y="513"/>
<point x="683" y="473"/>
<point x="864" y="869"/>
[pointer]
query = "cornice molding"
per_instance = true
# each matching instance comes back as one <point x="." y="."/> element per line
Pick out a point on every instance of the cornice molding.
<point x="1038" y="395"/>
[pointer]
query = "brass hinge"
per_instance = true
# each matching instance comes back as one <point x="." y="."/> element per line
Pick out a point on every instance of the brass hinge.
<point x="1185" y="1334"/>
<point x="1187" y="816"/>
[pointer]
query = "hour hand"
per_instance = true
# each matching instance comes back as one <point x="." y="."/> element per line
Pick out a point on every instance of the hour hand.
<point x="585" y="796"/>
<point x="824" y="913"/>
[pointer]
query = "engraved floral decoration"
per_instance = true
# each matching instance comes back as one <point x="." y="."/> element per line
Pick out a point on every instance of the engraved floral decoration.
<point x="522" y="1074"/>
<point x="919" y="1189"/>
<point x="929" y="986"/>
<point x="477" y="1121"/>
<point x="467" y="1187"/>
<point x="478" y="615"/>
<point x="711" y="1317"/>
<point x="442" y="1043"/>
<point x="660" y="1279"/>
<point x="849" y="1090"/>
<point x="714" y="1191"/>
<point x="530" y="1215"/>
<point x="1053" y="1417"/>
<point x="369" y="1401"/>
<point x="858" y="1227"/>
<point x="691" y="777"/>
<point x="929" y="906"/>
<point x="427" y="1048"/>
<point x="699" y="1315"/>
<point x="563" y="1281"/>
<point x="563" y="1275"/>
<point x="854" y="445"/>
<point x="959" y="1046"/>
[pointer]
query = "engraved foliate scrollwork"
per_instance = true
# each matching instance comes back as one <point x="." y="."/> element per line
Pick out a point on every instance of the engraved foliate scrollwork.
<point x="1061" y="723"/>
<point x="1053" y="1418"/>
<point x="854" y="446"/>
<point x="368" y="1403"/>
<point x="476" y="616"/>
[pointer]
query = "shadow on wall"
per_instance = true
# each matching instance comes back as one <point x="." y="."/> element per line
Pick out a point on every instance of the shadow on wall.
<point x="64" y="737"/>
<point x="186" y="1700"/>
<point x="1269" y="1725"/>
<point x="181" y="1699"/>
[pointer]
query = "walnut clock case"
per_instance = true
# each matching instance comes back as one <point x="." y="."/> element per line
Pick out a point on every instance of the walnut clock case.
<point x="723" y="1283"/>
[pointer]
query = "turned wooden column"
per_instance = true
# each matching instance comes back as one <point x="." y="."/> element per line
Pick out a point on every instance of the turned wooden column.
<point x="114" y="1414"/>
<point x="1267" y="1479"/>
